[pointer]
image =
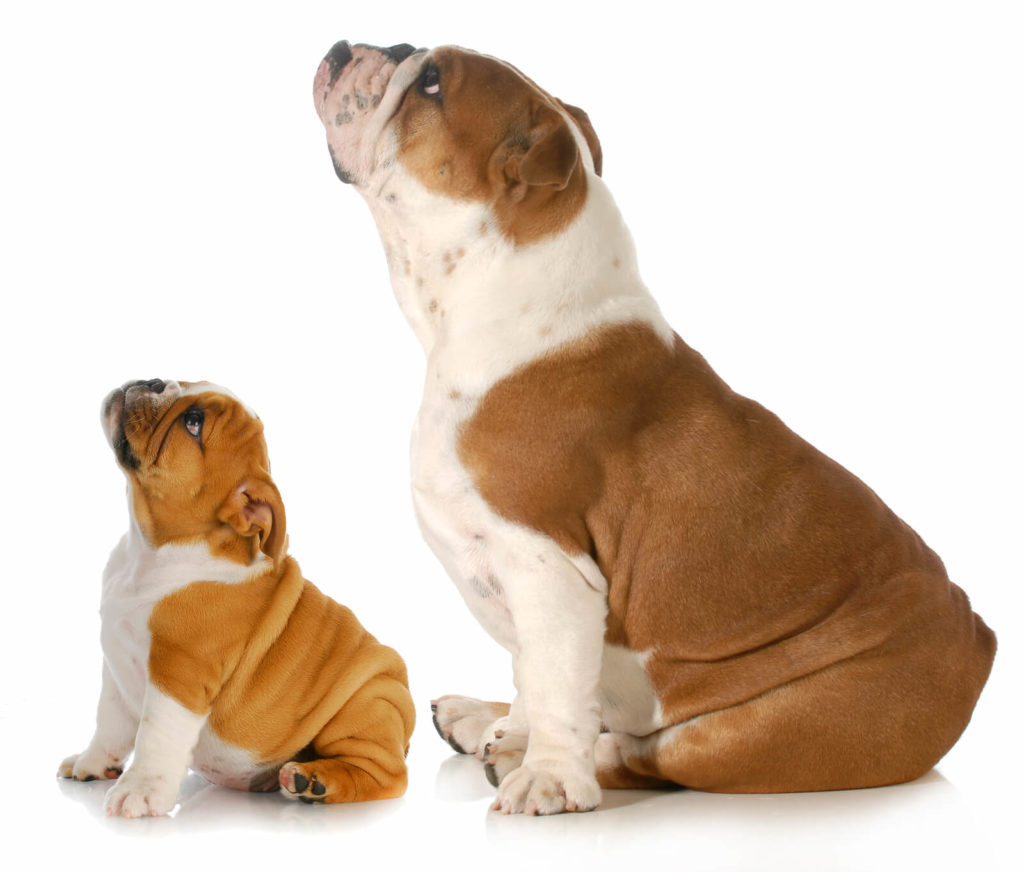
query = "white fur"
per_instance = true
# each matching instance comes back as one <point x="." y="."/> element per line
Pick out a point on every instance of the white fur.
<point x="163" y="751"/>
<point x="222" y="763"/>
<point x="482" y="307"/>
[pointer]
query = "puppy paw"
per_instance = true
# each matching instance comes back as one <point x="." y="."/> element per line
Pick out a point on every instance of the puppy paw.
<point x="502" y="755"/>
<point x="546" y="790"/>
<point x="141" y="795"/>
<point x="300" y="781"/>
<point x="91" y="766"/>
<point x="466" y="724"/>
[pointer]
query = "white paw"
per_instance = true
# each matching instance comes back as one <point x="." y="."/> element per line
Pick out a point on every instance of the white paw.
<point x="142" y="795"/>
<point x="547" y="790"/>
<point x="468" y="724"/>
<point x="91" y="766"/>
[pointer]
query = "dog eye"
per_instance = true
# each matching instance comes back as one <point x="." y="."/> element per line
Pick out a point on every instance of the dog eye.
<point x="193" y="421"/>
<point x="431" y="81"/>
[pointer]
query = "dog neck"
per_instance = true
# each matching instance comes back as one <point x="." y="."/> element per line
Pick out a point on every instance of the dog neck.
<point x="138" y="572"/>
<point x="483" y="305"/>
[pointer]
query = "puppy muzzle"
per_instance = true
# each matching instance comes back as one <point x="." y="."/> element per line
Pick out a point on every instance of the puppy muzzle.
<point x="128" y="402"/>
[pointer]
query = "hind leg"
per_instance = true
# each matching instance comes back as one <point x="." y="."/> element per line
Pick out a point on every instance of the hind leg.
<point x="838" y="729"/>
<point x="360" y="754"/>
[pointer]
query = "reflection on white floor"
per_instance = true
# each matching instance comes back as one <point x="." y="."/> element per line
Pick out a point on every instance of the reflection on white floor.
<point x="927" y="824"/>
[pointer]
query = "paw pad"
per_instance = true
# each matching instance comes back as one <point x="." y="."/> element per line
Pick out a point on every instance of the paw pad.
<point x="297" y="785"/>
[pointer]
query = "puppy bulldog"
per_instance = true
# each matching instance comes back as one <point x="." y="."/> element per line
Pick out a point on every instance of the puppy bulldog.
<point x="217" y="653"/>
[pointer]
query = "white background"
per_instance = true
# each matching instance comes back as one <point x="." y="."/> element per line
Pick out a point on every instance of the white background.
<point x="827" y="201"/>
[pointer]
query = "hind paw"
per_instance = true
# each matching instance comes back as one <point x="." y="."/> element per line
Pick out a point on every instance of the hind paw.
<point x="299" y="781"/>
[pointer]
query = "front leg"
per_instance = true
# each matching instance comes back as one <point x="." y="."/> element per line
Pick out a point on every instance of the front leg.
<point x="558" y="606"/>
<point x="112" y="741"/>
<point x="168" y="732"/>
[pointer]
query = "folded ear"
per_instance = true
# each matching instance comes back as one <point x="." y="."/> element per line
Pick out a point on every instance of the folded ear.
<point x="589" y="134"/>
<point x="550" y="157"/>
<point x="255" y="511"/>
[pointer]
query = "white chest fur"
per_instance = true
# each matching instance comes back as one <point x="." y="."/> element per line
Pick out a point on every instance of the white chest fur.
<point x="136" y="579"/>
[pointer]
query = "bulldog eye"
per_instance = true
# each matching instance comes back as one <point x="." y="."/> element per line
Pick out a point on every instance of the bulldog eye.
<point x="431" y="81"/>
<point x="193" y="421"/>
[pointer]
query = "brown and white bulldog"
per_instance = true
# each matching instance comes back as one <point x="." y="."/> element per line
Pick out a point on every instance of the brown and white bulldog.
<point x="691" y="593"/>
<point x="216" y="652"/>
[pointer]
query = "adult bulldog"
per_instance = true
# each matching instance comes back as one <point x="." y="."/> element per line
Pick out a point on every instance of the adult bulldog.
<point x="691" y="593"/>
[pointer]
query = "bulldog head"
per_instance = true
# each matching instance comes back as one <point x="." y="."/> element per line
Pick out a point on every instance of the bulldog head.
<point x="197" y="468"/>
<point x="464" y="125"/>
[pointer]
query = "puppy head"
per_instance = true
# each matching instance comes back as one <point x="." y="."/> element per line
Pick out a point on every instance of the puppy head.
<point x="464" y="125"/>
<point x="197" y="468"/>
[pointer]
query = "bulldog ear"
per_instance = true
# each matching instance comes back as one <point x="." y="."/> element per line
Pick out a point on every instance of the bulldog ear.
<point x="550" y="157"/>
<point x="255" y="511"/>
<point x="589" y="134"/>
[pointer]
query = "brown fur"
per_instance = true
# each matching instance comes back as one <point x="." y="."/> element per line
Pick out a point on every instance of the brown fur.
<point x="813" y="630"/>
<point x="281" y="669"/>
<point x="186" y="490"/>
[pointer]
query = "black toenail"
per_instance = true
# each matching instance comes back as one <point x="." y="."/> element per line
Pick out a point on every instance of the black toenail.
<point x="456" y="746"/>
<point x="88" y="778"/>
<point x="318" y="788"/>
<point x="492" y="776"/>
<point x="449" y="739"/>
<point x="301" y="783"/>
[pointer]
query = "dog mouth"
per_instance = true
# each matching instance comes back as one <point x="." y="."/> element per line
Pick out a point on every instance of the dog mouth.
<point x="356" y="94"/>
<point x="124" y="405"/>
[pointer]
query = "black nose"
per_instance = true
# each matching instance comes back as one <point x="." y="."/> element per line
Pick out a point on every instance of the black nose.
<point x="338" y="57"/>
<point x="399" y="53"/>
<point x="155" y="385"/>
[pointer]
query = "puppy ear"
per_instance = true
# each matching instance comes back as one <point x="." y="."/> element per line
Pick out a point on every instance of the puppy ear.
<point x="550" y="157"/>
<point x="255" y="511"/>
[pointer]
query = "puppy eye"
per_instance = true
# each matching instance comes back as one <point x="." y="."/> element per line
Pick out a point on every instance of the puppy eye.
<point x="431" y="81"/>
<point x="193" y="421"/>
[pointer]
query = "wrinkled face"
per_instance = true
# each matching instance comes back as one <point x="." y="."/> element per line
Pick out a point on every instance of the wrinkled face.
<point x="463" y="125"/>
<point x="197" y="466"/>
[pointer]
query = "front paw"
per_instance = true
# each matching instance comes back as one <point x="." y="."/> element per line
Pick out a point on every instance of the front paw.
<point x="91" y="766"/>
<point x="468" y="724"/>
<point x="142" y="795"/>
<point x="547" y="789"/>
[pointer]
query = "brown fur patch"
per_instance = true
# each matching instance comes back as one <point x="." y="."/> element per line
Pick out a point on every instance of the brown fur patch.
<point x="745" y="560"/>
<point x="274" y="661"/>
<point x="495" y="137"/>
